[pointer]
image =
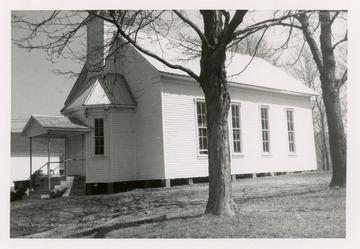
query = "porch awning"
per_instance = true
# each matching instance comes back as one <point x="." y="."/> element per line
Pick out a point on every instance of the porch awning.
<point x="53" y="126"/>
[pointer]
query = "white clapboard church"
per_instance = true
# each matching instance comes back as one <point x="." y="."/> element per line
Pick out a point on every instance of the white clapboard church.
<point x="140" y="121"/>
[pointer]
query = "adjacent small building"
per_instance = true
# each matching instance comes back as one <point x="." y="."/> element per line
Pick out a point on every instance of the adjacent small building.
<point x="139" y="120"/>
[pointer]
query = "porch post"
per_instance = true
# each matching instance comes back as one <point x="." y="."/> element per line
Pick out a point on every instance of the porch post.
<point x="48" y="166"/>
<point x="30" y="161"/>
<point x="66" y="158"/>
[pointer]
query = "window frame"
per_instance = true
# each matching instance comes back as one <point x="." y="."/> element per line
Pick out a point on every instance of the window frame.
<point x="198" y="143"/>
<point x="95" y="137"/>
<point x="267" y="130"/>
<point x="290" y="110"/>
<point x="236" y="105"/>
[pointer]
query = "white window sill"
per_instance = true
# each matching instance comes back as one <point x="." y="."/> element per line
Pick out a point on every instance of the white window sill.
<point x="202" y="156"/>
<point x="238" y="155"/>
<point x="267" y="155"/>
<point x="292" y="155"/>
<point x="99" y="157"/>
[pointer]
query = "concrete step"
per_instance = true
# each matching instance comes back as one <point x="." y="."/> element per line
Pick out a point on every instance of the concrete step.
<point x="75" y="186"/>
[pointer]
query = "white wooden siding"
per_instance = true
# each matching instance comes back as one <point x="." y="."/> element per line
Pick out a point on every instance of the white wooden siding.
<point x="182" y="160"/>
<point x="144" y="82"/>
<point x="122" y="158"/>
<point x="98" y="166"/>
<point x="180" y="135"/>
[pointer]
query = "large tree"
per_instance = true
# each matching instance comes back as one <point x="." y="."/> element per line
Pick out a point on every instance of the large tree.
<point x="325" y="33"/>
<point x="324" y="56"/>
<point x="216" y="31"/>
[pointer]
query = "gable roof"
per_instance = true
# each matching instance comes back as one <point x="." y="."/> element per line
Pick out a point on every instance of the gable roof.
<point x="242" y="70"/>
<point x="78" y="87"/>
<point x="95" y="90"/>
<point x="55" y="126"/>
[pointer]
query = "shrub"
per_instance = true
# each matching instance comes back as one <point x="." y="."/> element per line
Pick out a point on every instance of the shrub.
<point x="57" y="193"/>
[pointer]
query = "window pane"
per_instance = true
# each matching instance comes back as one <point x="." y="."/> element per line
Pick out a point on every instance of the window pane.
<point x="265" y="147"/>
<point x="101" y="150"/>
<point x="265" y="129"/>
<point x="290" y="126"/>
<point x="99" y="136"/>
<point x="236" y="128"/>
<point x="202" y="130"/>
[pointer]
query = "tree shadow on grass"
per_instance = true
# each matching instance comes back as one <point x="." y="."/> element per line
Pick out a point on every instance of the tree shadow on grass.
<point x="101" y="232"/>
<point x="278" y="194"/>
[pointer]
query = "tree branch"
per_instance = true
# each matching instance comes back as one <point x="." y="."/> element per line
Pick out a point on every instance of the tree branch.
<point x="252" y="57"/>
<point x="271" y="22"/>
<point x="234" y="23"/>
<point x="138" y="47"/>
<point x="304" y="20"/>
<point x="227" y="17"/>
<point x="334" y="17"/>
<point x="341" y="81"/>
<point x="341" y="41"/>
<point x="195" y="28"/>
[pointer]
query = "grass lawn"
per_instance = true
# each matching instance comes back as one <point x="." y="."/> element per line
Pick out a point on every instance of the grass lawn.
<point x="288" y="206"/>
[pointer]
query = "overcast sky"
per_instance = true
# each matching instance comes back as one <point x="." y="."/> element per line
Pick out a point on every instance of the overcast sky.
<point x="35" y="89"/>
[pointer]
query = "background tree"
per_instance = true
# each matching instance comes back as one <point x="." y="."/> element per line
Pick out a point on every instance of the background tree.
<point x="331" y="81"/>
<point x="325" y="33"/>
<point x="255" y="45"/>
<point x="305" y="70"/>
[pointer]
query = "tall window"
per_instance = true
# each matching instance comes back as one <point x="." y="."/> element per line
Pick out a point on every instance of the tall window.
<point x="236" y="129"/>
<point x="202" y="127"/>
<point x="99" y="136"/>
<point x="291" y="132"/>
<point x="265" y="129"/>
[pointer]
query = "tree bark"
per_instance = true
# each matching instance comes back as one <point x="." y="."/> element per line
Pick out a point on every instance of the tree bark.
<point x="337" y="138"/>
<point x="332" y="104"/>
<point x="217" y="98"/>
<point x="326" y="64"/>
<point x="324" y="141"/>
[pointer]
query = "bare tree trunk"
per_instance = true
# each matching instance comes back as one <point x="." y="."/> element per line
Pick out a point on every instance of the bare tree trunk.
<point x="336" y="137"/>
<point x="326" y="64"/>
<point x="220" y="200"/>
<point x="323" y="138"/>
<point x="217" y="98"/>
<point x="331" y="98"/>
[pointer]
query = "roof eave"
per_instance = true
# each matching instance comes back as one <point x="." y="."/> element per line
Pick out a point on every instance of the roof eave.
<point x="27" y="125"/>
<point x="66" y="129"/>
<point x="274" y="90"/>
<point x="185" y="78"/>
<point x="67" y="111"/>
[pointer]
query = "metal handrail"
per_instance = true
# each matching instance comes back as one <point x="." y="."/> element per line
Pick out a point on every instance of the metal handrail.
<point x="41" y="168"/>
<point x="63" y="163"/>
